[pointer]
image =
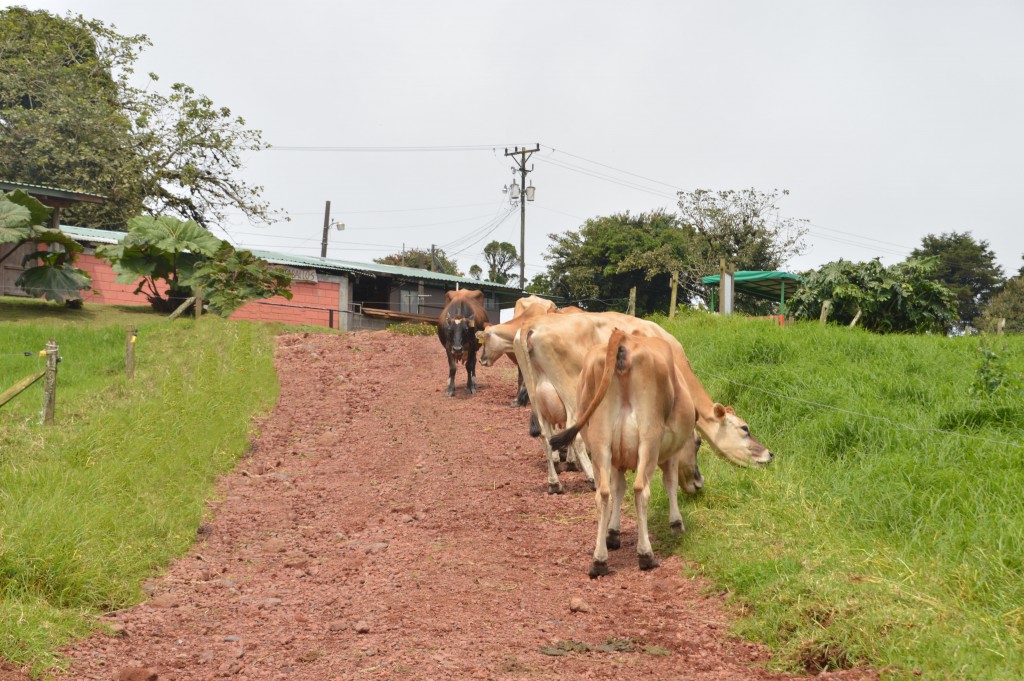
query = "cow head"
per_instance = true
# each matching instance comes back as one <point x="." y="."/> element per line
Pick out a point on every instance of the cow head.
<point x="730" y="437"/>
<point x="459" y="330"/>
<point x="492" y="345"/>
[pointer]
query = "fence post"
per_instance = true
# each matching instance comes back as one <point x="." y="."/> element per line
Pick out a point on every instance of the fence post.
<point x="825" y="307"/>
<point x="631" y="310"/>
<point x="672" y="299"/>
<point x="1000" y="326"/>
<point x="199" y="302"/>
<point x="50" y="381"/>
<point x="129" y="351"/>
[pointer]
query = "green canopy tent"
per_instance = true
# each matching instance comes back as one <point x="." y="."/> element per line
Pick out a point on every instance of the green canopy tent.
<point x="767" y="285"/>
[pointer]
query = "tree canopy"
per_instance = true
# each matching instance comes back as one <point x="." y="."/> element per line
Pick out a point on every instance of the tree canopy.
<point x="501" y="258"/>
<point x="1008" y="304"/>
<point x="70" y="117"/>
<point x="900" y="298"/>
<point x="597" y="264"/>
<point x="966" y="267"/>
<point x="421" y="258"/>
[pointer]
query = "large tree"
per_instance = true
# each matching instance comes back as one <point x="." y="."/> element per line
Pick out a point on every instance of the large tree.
<point x="965" y="266"/>
<point x="501" y="258"/>
<point x="744" y="226"/>
<point x="597" y="264"/>
<point x="70" y="117"/>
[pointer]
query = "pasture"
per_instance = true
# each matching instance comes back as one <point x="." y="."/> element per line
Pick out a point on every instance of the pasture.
<point x="890" y="528"/>
<point x="888" y="532"/>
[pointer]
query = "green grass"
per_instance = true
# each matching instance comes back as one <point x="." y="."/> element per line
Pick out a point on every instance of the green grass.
<point x="873" y="538"/>
<point x="91" y="507"/>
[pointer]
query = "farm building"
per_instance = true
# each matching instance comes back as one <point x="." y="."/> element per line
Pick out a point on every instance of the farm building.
<point x="325" y="292"/>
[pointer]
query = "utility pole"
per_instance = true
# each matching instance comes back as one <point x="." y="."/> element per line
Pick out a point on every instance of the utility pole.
<point x="520" y="157"/>
<point x="327" y="226"/>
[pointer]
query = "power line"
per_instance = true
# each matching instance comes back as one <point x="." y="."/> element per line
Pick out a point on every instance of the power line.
<point x="442" y="148"/>
<point x="618" y="170"/>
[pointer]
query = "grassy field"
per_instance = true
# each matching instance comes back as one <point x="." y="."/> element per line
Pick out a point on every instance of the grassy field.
<point x="91" y="507"/>
<point x="890" y="528"/>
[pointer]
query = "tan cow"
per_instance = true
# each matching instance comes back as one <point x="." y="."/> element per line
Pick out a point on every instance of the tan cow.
<point x="551" y="350"/>
<point x="637" y="415"/>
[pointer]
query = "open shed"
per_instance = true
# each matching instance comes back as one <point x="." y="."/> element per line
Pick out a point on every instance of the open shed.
<point x="760" y="284"/>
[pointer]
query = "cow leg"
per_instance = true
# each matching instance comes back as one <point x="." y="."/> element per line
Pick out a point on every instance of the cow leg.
<point x="602" y="497"/>
<point x="613" y="540"/>
<point x="471" y="373"/>
<point x="450" y="392"/>
<point x="646" y="463"/>
<point x="670" y="477"/>
<point x="522" y="396"/>
<point x="578" y="450"/>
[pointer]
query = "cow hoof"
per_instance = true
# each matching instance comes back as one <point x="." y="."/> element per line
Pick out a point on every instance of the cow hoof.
<point x="648" y="561"/>
<point x="572" y="466"/>
<point x="554" y="488"/>
<point x="599" y="568"/>
<point x="677" y="527"/>
<point x="612" y="541"/>
<point x="450" y="392"/>
<point x="593" y="485"/>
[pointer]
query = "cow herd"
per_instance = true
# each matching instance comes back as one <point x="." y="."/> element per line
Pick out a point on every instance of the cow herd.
<point x="609" y="393"/>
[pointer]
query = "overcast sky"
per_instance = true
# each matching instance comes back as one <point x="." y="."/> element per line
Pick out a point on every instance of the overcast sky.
<point x="885" y="120"/>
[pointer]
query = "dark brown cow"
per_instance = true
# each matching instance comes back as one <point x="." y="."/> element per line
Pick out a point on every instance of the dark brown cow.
<point x="462" y="315"/>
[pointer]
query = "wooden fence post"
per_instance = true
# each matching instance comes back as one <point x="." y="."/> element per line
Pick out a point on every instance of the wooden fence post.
<point x="199" y="303"/>
<point x="825" y="308"/>
<point x="129" y="351"/>
<point x="672" y="298"/>
<point x="631" y="310"/>
<point x="50" y="381"/>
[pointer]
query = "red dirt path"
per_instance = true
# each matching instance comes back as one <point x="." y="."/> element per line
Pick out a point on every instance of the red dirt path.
<point x="379" y="530"/>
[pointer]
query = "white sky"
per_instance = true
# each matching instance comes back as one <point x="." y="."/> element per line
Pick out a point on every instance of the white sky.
<point x="885" y="120"/>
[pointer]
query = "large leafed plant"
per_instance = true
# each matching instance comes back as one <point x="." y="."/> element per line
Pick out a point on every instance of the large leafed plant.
<point x="160" y="249"/>
<point x="23" y="219"/>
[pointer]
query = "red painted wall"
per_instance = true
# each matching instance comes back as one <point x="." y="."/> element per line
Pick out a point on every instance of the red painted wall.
<point x="305" y="295"/>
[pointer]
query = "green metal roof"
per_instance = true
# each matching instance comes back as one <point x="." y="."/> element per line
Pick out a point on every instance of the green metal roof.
<point x="54" y="192"/>
<point x="105" y="236"/>
<point x="762" y="284"/>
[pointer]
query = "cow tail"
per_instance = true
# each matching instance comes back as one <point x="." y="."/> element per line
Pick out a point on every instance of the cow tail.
<point x="534" y="425"/>
<point x="614" y="360"/>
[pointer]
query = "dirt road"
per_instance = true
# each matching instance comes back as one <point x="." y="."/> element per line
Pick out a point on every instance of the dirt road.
<point x="380" y="530"/>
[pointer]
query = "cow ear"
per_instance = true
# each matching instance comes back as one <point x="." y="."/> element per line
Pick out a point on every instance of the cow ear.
<point x="730" y="410"/>
<point x="479" y="335"/>
<point x="720" y="411"/>
<point x="477" y="295"/>
<point x="448" y="297"/>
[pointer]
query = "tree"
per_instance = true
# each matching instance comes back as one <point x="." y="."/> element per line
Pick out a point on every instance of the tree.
<point x="745" y="227"/>
<point x="966" y="267"/>
<point x="23" y="220"/>
<point x="160" y="249"/>
<point x="900" y="298"/>
<point x="1008" y="304"/>
<point x="421" y="258"/>
<point x="600" y="262"/>
<point x="500" y="258"/>
<point x="70" y="117"/>
<point x="475" y="271"/>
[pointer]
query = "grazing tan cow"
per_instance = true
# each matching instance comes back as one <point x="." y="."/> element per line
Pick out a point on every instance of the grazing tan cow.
<point x="637" y="415"/>
<point x="551" y="350"/>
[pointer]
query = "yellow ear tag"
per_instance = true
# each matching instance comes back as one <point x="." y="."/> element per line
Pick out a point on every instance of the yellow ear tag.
<point x="133" y="339"/>
<point x="472" y="324"/>
<point x="42" y="353"/>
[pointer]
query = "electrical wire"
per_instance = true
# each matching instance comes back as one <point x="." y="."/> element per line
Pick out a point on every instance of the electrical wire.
<point x="443" y="148"/>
